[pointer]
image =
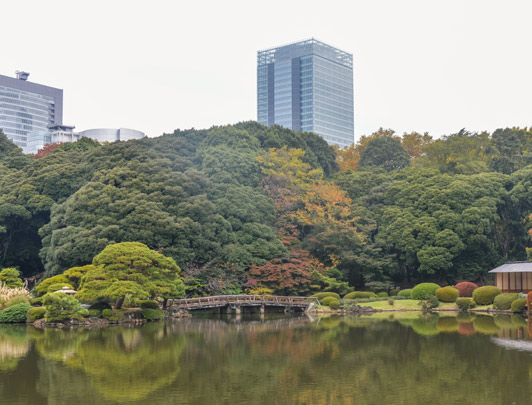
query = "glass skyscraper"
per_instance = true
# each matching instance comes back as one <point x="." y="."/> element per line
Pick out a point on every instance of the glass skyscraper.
<point x="27" y="110"/>
<point x="307" y="86"/>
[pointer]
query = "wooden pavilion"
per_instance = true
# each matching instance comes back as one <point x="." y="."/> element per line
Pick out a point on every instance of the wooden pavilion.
<point x="514" y="277"/>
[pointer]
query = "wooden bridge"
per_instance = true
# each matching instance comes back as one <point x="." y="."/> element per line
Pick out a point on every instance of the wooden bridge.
<point x="236" y="302"/>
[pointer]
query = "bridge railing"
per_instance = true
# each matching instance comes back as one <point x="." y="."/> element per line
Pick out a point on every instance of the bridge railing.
<point x="219" y="300"/>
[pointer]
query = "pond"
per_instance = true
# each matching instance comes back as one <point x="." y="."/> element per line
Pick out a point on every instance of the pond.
<point x="403" y="358"/>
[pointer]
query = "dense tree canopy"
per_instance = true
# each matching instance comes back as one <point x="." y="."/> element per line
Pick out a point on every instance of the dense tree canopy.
<point x="249" y="206"/>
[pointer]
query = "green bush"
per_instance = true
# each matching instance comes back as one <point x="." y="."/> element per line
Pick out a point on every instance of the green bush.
<point x="518" y="305"/>
<point x="60" y="307"/>
<point x="107" y="313"/>
<point x="58" y="287"/>
<point x="504" y="301"/>
<point x="10" y="278"/>
<point x="100" y="306"/>
<point x="36" y="302"/>
<point x="322" y="295"/>
<point x="394" y="292"/>
<point x="112" y="315"/>
<point x="83" y="313"/>
<point x="485" y="295"/>
<point x="35" y="313"/>
<point x="424" y="290"/>
<point x="17" y="299"/>
<point x="15" y="314"/>
<point x="405" y="293"/>
<point x="391" y="301"/>
<point x="153" y="314"/>
<point x="149" y="304"/>
<point x="95" y="313"/>
<point x="359" y="294"/>
<point x="331" y="302"/>
<point x="382" y="294"/>
<point x="465" y="303"/>
<point x="43" y="286"/>
<point x="447" y="294"/>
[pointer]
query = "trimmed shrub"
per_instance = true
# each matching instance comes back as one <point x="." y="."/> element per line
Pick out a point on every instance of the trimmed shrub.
<point x="518" y="305"/>
<point x="382" y="294"/>
<point x="95" y="313"/>
<point x="83" y="312"/>
<point x="100" y="306"/>
<point x="106" y="313"/>
<point x="322" y="295"/>
<point x="10" y="278"/>
<point x="485" y="295"/>
<point x="447" y="294"/>
<point x="15" y="314"/>
<point x="465" y="303"/>
<point x="359" y="294"/>
<point x="504" y="301"/>
<point x="391" y="301"/>
<point x="149" y="304"/>
<point x="394" y="292"/>
<point x="17" y="299"/>
<point x="35" y="313"/>
<point x="153" y="314"/>
<point x="405" y="293"/>
<point x="334" y="304"/>
<point x="112" y="315"/>
<point x="36" y="302"/>
<point x="60" y="307"/>
<point x="465" y="288"/>
<point x="424" y="290"/>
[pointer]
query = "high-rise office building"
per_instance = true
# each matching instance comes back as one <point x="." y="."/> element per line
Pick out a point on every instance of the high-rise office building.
<point x="307" y="86"/>
<point x="28" y="109"/>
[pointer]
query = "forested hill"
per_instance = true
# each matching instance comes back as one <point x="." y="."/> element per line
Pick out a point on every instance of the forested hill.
<point x="247" y="207"/>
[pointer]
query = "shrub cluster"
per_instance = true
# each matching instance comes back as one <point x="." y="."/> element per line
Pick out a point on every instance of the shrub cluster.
<point x="95" y="313"/>
<point x="504" y="301"/>
<point x="447" y="294"/>
<point x="153" y="314"/>
<point x="465" y="288"/>
<point x="149" y="304"/>
<point x="331" y="302"/>
<point x="465" y="303"/>
<point x="424" y="290"/>
<point x="35" y="313"/>
<point x="60" y="307"/>
<point x="115" y="316"/>
<point x="405" y="293"/>
<point x="322" y="295"/>
<point x="485" y="295"/>
<point x="394" y="292"/>
<point x="382" y="294"/>
<point x="518" y="305"/>
<point x="15" y="314"/>
<point x="359" y="294"/>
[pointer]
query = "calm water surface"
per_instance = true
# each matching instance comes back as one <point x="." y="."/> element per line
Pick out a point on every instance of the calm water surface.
<point x="403" y="359"/>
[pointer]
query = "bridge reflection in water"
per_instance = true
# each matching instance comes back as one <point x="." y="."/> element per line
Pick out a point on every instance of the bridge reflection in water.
<point x="237" y="302"/>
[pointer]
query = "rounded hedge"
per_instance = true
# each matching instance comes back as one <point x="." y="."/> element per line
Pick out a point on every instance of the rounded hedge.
<point x="35" y="313"/>
<point x="359" y="294"/>
<point x="149" y="304"/>
<point x="504" y="301"/>
<point x="95" y="313"/>
<point x="447" y="294"/>
<point x="333" y="303"/>
<point x="152" y="314"/>
<point x="518" y="305"/>
<point x="485" y="295"/>
<point x="100" y="306"/>
<point x="394" y="292"/>
<point x="382" y="294"/>
<point x="465" y="303"/>
<point x="465" y="288"/>
<point x="322" y="295"/>
<point x="15" y="314"/>
<point x="405" y="293"/>
<point x="424" y="290"/>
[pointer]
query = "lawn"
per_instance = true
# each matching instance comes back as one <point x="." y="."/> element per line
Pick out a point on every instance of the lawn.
<point x="398" y="305"/>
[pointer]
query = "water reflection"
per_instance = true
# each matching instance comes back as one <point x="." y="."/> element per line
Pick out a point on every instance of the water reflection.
<point x="399" y="358"/>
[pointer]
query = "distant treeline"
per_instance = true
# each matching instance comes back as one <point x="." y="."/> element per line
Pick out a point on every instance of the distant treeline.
<point x="250" y="208"/>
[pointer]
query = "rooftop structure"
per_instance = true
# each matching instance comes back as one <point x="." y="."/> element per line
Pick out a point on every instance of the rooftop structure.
<point x="514" y="277"/>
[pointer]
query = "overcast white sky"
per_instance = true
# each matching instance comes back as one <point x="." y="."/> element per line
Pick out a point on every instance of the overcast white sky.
<point x="423" y="65"/>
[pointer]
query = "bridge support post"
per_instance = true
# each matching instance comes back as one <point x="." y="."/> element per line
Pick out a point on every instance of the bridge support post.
<point x="228" y="310"/>
<point x="237" y="310"/>
<point x="262" y="309"/>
